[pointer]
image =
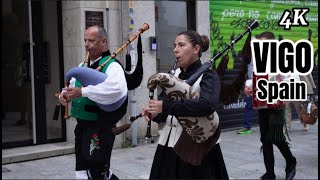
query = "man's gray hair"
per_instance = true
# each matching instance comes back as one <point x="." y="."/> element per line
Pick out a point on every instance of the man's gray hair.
<point x="101" y="31"/>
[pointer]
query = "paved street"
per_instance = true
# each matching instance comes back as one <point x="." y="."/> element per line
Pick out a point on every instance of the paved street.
<point x="241" y="153"/>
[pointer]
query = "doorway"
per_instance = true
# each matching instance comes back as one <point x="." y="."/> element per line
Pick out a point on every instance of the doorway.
<point x="172" y="17"/>
<point x="30" y="72"/>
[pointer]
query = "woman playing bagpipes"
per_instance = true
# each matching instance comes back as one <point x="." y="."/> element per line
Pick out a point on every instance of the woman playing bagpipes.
<point x="93" y="133"/>
<point x="205" y="160"/>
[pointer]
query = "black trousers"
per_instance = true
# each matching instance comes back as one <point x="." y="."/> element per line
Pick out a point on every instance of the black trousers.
<point x="267" y="144"/>
<point x="93" y="147"/>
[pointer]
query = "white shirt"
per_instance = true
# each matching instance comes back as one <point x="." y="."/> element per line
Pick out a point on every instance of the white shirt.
<point x="294" y="76"/>
<point x="111" y="90"/>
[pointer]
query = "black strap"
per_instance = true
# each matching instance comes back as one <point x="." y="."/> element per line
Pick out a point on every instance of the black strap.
<point x="193" y="78"/>
<point x="92" y="109"/>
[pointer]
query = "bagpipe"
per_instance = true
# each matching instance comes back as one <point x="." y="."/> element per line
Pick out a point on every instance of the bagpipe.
<point x="96" y="77"/>
<point x="200" y="134"/>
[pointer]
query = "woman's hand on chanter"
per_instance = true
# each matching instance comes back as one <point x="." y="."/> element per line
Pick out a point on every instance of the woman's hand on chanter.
<point x="155" y="107"/>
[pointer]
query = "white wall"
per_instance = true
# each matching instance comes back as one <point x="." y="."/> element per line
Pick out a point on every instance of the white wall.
<point x="203" y="24"/>
<point x="143" y="12"/>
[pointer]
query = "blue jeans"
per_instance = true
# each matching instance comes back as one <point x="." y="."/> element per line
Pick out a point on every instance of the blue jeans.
<point x="248" y="112"/>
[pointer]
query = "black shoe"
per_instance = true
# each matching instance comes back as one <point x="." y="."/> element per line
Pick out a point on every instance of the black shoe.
<point x="114" y="177"/>
<point x="107" y="174"/>
<point x="268" y="176"/>
<point x="291" y="169"/>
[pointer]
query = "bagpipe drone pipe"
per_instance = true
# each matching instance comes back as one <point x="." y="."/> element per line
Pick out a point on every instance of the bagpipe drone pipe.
<point x="230" y="92"/>
<point x="200" y="134"/>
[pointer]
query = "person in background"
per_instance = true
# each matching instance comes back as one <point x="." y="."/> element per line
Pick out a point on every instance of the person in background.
<point x="271" y="122"/>
<point x="248" y="99"/>
<point x="308" y="79"/>
<point x="248" y="110"/>
<point x="296" y="104"/>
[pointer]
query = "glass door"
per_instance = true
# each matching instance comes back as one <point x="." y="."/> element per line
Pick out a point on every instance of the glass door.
<point x="172" y="17"/>
<point x="17" y="111"/>
<point x="32" y="72"/>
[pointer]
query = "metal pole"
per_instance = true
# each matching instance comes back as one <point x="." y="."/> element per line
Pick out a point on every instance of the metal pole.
<point x="133" y="101"/>
<point x="133" y="113"/>
<point x="32" y="75"/>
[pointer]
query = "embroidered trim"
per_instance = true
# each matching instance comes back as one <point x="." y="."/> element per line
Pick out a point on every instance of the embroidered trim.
<point x="95" y="142"/>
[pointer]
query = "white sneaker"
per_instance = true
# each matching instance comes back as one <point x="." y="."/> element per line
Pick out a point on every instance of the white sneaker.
<point x="82" y="174"/>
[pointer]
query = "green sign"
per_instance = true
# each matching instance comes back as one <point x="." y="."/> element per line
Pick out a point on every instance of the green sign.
<point x="229" y="18"/>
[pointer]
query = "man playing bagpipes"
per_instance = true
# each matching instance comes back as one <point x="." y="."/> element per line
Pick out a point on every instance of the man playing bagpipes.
<point x="271" y="123"/>
<point x="93" y="133"/>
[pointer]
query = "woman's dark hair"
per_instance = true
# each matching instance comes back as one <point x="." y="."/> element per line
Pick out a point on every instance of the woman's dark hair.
<point x="196" y="39"/>
<point x="267" y="35"/>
